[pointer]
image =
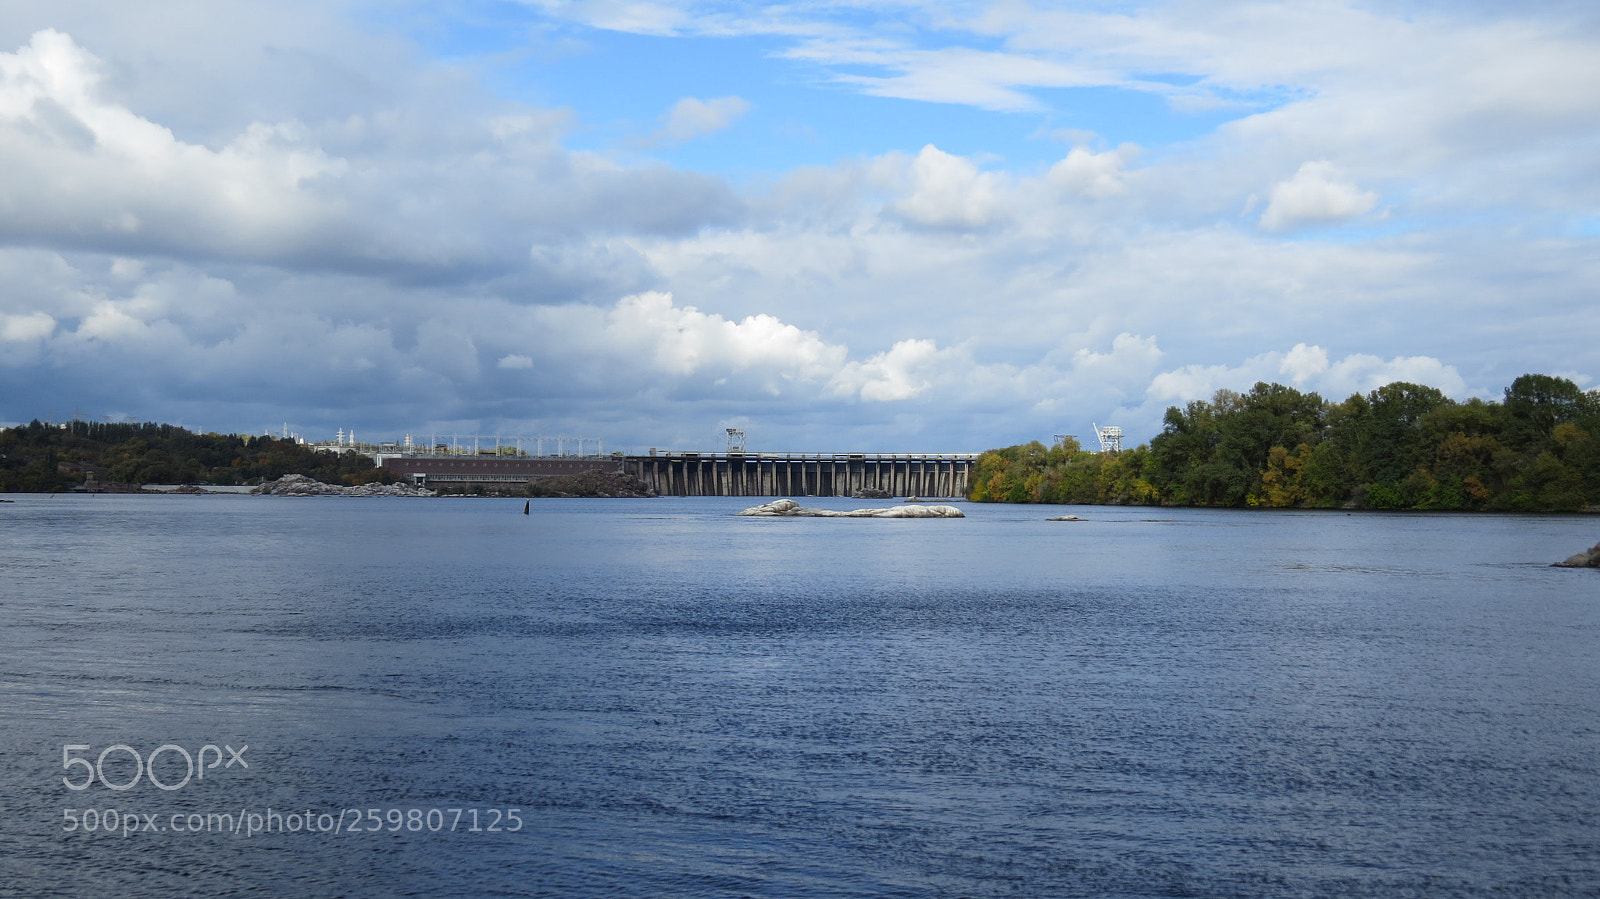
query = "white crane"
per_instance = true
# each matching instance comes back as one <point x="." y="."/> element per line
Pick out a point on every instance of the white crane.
<point x="1110" y="438"/>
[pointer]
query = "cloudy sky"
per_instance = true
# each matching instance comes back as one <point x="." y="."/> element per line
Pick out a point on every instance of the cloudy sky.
<point x="868" y="226"/>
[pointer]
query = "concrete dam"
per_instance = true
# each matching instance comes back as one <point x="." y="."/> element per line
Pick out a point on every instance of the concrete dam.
<point x="712" y="474"/>
<point x="803" y="474"/>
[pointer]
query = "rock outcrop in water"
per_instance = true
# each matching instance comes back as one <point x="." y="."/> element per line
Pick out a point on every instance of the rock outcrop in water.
<point x="788" y="508"/>
<point x="1590" y="559"/>
<point x="300" y="485"/>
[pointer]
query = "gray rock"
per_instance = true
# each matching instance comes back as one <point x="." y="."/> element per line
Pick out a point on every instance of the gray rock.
<point x="1590" y="559"/>
<point x="300" y="485"/>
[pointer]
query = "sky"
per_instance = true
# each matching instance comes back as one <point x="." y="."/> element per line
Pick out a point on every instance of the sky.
<point x="869" y="226"/>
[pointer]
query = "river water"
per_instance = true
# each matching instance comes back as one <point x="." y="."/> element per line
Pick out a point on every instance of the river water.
<point x="658" y="698"/>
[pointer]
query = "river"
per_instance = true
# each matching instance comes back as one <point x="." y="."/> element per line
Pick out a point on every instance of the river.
<point x="446" y="697"/>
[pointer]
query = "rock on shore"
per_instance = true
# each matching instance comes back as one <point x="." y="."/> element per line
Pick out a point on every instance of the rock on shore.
<point x="1590" y="559"/>
<point x="300" y="485"/>
<point x="788" y="508"/>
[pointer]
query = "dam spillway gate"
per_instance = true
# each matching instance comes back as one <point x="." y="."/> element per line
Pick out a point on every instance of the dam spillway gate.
<point x="804" y="474"/>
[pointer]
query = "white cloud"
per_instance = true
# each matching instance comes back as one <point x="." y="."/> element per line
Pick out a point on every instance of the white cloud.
<point x="79" y="164"/>
<point x="1316" y="195"/>
<point x="949" y="192"/>
<point x="1131" y="354"/>
<point x="631" y="16"/>
<point x="421" y="193"/>
<point x="515" y="362"/>
<point x="1304" y="362"/>
<point x="1310" y="370"/>
<point x="691" y="117"/>
<point x="1092" y="174"/>
<point x="899" y="374"/>
<point x="684" y="341"/>
<point x="1362" y="373"/>
<point x="952" y="75"/>
<point x="33" y="326"/>
<point x="1194" y="382"/>
<point x="110" y="321"/>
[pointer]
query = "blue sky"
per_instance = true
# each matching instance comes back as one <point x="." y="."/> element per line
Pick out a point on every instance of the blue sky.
<point x="620" y="83"/>
<point x="877" y="226"/>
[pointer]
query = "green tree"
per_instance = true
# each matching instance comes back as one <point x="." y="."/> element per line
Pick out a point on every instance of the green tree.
<point x="1535" y="404"/>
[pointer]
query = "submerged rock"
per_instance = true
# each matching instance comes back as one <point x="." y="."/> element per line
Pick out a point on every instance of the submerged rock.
<point x="1590" y="559"/>
<point x="1066" y="518"/>
<point x="788" y="508"/>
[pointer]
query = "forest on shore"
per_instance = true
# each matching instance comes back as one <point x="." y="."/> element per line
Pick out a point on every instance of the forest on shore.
<point x="41" y="458"/>
<point x="1402" y="446"/>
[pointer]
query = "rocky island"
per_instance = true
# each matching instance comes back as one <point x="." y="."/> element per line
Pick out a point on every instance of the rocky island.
<point x="300" y="485"/>
<point x="788" y="508"/>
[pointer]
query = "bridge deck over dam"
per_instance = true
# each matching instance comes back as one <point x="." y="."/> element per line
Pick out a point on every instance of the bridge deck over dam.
<point x="803" y="474"/>
<point x="714" y="474"/>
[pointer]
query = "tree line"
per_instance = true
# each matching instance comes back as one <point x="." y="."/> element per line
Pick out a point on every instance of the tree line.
<point x="40" y="458"/>
<point x="1402" y="446"/>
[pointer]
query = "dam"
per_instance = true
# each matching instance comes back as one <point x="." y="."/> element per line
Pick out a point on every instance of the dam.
<point x="934" y="475"/>
<point x="804" y="474"/>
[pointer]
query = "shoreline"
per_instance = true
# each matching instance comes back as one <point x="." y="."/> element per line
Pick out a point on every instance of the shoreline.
<point x="336" y="490"/>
